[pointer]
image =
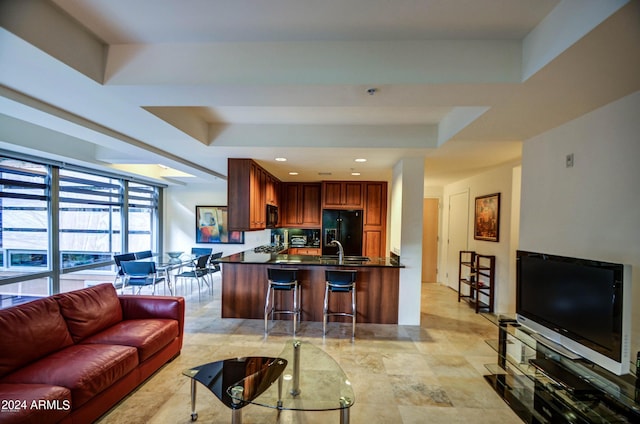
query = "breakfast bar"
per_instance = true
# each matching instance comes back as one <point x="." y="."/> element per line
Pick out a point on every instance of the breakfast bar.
<point x="244" y="279"/>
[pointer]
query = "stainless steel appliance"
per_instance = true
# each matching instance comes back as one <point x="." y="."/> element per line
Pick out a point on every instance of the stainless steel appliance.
<point x="297" y="241"/>
<point x="344" y="226"/>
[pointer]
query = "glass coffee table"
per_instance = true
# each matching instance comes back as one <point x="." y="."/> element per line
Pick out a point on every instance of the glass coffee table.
<point x="308" y="379"/>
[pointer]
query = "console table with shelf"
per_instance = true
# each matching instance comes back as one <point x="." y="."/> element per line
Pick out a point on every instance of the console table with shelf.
<point x="476" y="280"/>
<point x="543" y="383"/>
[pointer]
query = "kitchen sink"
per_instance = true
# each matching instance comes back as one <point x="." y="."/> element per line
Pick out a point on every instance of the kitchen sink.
<point x="348" y="258"/>
<point x="357" y="258"/>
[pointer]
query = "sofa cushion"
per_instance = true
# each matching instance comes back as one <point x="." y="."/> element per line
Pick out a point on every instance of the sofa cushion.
<point x="30" y="331"/>
<point x="86" y="369"/>
<point x="91" y="310"/>
<point x="34" y="403"/>
<point x="147" y="335"/>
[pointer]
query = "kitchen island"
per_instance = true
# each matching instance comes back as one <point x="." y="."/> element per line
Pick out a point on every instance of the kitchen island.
<point x="244" y="286"/>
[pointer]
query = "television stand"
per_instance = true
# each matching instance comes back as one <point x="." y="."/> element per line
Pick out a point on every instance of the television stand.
<point x="555" y="346"/>
<point x="543" y="386"/>
<point x="564" y="378"/>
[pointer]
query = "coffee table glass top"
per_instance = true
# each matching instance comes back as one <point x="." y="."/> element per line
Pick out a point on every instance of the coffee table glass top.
<point x="311" y="381"/>
<point x="256" y="372"/>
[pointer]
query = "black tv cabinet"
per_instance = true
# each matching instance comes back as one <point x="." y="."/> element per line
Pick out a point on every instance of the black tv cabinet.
<point x="544" y="386"/>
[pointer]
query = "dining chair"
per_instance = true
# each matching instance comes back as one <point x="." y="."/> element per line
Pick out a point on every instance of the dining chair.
<point x="340" y="281"/>
<point x="144" y="254"/>
<point x="118" y="259"/>
<point x="198" y="273"/>
<point x="199" y="251"/>
<point x="140" y="274"/>
<point x="214" y="265"/>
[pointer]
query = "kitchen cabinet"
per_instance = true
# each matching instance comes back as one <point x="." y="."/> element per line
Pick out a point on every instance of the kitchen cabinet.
<point x="301" y="205"/>
<point x="247" y="194"/>
<point x="375" y="218"/>
<point x="272" y="190"/>
<point x="258" y="215"/>
<point x="304" y="251"/>
<point x="342" y="195"/>
<point x="373" y="244"/>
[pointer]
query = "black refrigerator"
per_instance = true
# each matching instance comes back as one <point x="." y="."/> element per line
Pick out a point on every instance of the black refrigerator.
<point x="344" y="226"/>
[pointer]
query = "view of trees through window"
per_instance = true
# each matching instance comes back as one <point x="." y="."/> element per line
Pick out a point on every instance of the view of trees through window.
<point x="89" y="213"/>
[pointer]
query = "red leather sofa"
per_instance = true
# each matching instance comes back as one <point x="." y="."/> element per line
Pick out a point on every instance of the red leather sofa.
<point x="72" y="356"/>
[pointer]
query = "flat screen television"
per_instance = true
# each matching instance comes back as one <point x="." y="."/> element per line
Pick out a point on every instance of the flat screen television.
<point x="583" y="305"/>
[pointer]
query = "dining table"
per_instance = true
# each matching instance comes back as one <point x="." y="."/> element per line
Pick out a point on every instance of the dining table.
<point x="165" y="264"/>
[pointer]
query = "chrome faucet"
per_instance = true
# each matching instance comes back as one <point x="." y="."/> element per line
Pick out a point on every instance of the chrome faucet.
<point x="340" y="250"/>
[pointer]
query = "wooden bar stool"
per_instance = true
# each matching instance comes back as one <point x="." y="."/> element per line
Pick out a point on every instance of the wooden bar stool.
<point x="282" y="279"/>
<point x="342" y="281"/>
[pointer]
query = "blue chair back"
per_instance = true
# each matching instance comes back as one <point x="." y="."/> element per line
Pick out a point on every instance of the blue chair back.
<point x="340" y="280"/>
<point x="282" y="275"/>
<point x="201" y="263"/>
<point x="144" y="254"/>
<point x="215" y="266"/>
<point x="139" y="269"/>
<point x="199" y="251"/>
<point x="118" y="259"/>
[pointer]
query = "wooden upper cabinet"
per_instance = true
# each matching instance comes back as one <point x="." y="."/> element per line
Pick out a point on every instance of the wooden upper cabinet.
<point x="311" y="205"/>
<point x="247" y="195"/>
<point x="289" y="201"/>
<point x="342" y="195"/>
<point x="273" y="190"/>
<point x="375" y="219"/>
<point x="300" y="205"/>
<point x="258" y="187"/>
<point x="375" y="212"/>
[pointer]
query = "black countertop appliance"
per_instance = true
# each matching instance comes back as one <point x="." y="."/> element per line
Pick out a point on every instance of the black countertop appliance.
<point x="344" y="226"/>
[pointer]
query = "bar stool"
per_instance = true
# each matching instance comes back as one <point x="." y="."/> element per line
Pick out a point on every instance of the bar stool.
<point x="341" y="281"/>
<point x="282" y="279"/>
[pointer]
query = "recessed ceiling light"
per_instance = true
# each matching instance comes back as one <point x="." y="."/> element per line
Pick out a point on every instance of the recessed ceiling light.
<point x="355" y="174"/>
<point x="281" y="159"/>
<point x="360" y="160"/>
<point x="293" y="173"/>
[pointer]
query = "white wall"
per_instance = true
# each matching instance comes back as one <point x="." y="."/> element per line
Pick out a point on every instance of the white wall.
<point x="497" y="180"/>
<point x="591" y="210"/>
<point x="180" y="220"/>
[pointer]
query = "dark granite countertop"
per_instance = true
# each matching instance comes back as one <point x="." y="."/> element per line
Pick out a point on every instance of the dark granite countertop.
<point x="251" y="257"/>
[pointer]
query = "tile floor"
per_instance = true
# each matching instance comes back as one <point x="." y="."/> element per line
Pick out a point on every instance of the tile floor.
<point x="430" y="373"/>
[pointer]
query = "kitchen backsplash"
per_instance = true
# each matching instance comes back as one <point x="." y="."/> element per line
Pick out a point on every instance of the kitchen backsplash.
<point x="298" y="236"/>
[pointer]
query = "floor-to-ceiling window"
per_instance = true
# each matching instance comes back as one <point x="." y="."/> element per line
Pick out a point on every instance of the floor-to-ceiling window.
<point x="61" y="226"/>
<point x="24" y="227"/>
<point x="142" y="202"/>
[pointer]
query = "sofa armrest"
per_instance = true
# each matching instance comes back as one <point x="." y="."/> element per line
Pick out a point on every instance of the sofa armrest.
<point x="146" y="307"/>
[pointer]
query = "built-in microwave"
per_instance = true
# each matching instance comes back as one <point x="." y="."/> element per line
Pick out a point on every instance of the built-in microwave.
<point x="272" y="216"/>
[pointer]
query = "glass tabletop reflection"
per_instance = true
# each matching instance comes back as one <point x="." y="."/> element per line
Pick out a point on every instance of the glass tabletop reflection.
<point x="311" y="381"/>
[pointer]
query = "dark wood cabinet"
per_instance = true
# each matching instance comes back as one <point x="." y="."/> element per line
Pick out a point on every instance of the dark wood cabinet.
<point x="249" y="188"/>
<point x="375" y="219"/>
<point x="301" y="205"/>
<point x="342" y="195"/>
<point x="304" y="251"/>
<point x="258" y="215"/>
<point x="272" y="190"/>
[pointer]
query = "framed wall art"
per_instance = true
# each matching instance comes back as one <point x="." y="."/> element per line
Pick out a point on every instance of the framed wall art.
<point x="487" y="218"/>
<point x="211" y="226"/>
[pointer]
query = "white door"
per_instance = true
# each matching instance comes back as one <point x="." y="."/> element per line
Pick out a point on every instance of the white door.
<point x="457" y="236"/>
